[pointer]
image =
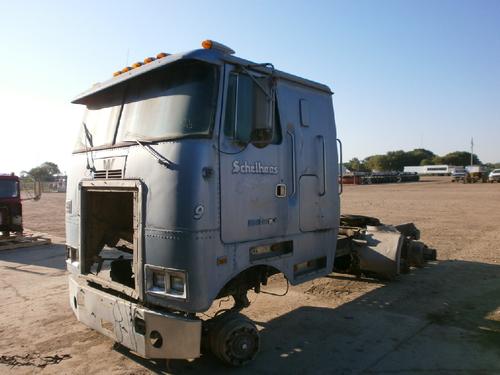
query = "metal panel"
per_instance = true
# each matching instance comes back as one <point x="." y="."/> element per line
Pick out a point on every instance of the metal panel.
<point x="250" y="209"/>
<point x="115" y="318"/>
<point x="310" y="209"/>
<point x="313" y="155"/>
<point x="315" y="213"/>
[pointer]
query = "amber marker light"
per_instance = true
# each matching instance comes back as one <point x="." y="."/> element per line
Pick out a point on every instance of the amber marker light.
<point x="117" y="73"/>
<point x="136" y="65"/>
<point x="211" y="44"/>
<point x="207" y="44"/>
<point x="161" y="55"/>
<point x="147" y="60"/>
<point x="126" y="69"/>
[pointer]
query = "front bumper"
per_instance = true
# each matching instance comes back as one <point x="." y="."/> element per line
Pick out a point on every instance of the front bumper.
<point x="135" y="326"/>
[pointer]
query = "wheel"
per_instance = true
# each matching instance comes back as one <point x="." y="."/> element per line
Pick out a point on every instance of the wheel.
<point x="234" y="339"/>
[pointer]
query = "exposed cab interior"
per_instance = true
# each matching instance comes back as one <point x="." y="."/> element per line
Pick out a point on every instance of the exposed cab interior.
<point x="110" y="247"/>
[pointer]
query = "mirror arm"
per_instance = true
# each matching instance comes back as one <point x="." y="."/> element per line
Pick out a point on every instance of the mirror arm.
<point x="269" y="96"/>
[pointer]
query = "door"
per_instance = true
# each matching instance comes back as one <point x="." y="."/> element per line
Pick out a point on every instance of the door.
<point x="308" y="115"/>
<point x="252" y="175"/>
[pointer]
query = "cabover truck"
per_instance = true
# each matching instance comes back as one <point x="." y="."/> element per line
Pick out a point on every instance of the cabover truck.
<point x="11" y="212"/>
<point x="197" y="176"/>
<point x="11" y="219"/>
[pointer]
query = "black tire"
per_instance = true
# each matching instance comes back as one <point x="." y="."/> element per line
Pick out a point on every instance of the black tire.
<point x="234" y="339"/>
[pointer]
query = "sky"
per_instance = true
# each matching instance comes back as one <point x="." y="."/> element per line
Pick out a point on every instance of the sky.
<point x="406" y="74"/>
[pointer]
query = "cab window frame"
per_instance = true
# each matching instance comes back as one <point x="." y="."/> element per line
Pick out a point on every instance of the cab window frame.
<point x="232" y="113"/>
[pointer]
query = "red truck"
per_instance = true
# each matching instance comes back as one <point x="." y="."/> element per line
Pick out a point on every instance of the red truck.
<point x="10" y="205"/>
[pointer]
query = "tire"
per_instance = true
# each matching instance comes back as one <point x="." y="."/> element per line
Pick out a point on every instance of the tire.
<point x="234" y="339"/>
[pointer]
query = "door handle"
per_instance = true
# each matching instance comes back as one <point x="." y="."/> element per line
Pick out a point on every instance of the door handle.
<point x="340" y="166"/>
<point x="323" y="164"/>
<point x="294" y="162"/>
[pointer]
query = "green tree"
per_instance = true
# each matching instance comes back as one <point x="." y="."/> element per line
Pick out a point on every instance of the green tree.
<point x="355" y="165"/>
<point x="397" y="160"/>
<point x="417" y="156"/>
<point x="459" y="158"/>
<point x="427" y="162"/>
<point x="377" y="162"/>
<point x="492" y="165"/>
<point x="44" y="172"/>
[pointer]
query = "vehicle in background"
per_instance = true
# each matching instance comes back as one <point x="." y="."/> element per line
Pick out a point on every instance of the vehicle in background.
<point x="10" y="205"/>
<point x="494" y="175"/>
<point x="458" y="175"/>
<point x="431" y="170"/>
<point x="476" y="173"/>
<point x="367" y="178"/>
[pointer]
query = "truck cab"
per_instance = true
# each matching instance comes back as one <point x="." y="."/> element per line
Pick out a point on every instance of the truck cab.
<point x="197" y="176"/>
<point x="10" y="204"/>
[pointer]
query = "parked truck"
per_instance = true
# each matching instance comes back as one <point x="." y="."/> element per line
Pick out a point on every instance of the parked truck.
<point x="476" y="173"/>
<point x="11" y="219"/>
<point x="197" y="176"/>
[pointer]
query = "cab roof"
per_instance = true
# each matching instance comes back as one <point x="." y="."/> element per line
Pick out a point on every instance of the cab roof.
<point x="210" y="55"/>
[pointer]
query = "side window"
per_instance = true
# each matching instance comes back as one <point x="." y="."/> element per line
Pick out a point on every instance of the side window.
<point x="243" y="110"/>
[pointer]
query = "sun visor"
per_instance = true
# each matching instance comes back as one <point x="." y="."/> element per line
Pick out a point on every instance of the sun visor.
<point x="118" y="82"/>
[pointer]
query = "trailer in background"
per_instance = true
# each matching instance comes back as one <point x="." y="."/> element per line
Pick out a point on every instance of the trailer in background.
<point x="433" y="170"/>
<point x="367" y="178"/>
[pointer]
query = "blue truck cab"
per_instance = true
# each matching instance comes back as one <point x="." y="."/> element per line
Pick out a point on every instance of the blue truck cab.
<point x="197" y="176"/>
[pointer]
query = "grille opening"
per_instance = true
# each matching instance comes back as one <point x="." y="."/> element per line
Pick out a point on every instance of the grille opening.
<point x="109" y="236"/>
<point x="109" y="173"/>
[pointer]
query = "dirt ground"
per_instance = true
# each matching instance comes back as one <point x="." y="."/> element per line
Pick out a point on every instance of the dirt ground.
<point x="441" y="319"/>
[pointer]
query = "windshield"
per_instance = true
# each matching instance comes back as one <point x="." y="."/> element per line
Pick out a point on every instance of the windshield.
<point x="174" y="102"/>
<point x="8" y="189"/>
<point x="496" y="171"/>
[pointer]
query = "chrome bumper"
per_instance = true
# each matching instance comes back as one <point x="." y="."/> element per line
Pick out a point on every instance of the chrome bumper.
<point x="149" y="333"/>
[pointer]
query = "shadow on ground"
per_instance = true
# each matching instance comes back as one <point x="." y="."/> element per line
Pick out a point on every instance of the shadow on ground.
<point x="51" y="256"/>
<point x="444" y="318"/>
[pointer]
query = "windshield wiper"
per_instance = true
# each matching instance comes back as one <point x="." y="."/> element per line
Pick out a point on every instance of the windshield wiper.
<point x="146" y="145"/>
<point x="88" y="134"/>
<point x="88" y="138"/>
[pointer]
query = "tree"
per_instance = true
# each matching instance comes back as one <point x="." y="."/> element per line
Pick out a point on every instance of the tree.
<point x="459" y="158"/>
<point x="417" y="156"/>
<point x="377" y="162"/>
<point x="44" y="172"/>
<point x="492" y="165"/>
<point x="355" y="165"/>
<point x="397" y="160"/>
<point x="427" y="162"/>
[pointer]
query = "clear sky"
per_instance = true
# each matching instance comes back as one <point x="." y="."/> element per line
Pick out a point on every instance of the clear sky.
<point x="406" y="74"/>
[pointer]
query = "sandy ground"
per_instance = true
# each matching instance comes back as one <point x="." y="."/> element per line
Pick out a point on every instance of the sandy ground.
<point x="442" y="319"/>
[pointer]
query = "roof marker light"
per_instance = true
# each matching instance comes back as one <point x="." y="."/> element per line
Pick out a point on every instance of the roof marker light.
<point x="126" y="69"/>
<point x="161" y="55"/>
<point x="117" y="73"/>
<point x="211" y="44"/>
<point x="207" y="44"/>
<point x="147" y="60"/>
<point x="137" y="64"/>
